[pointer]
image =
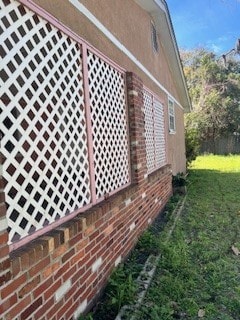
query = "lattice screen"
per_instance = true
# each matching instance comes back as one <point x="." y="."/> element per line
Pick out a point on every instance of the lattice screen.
<point x="43" y="125"/>
<point x="149" y="130"/>
<point x="154" y="132"/>
<point x="109" y="125"/>
<point x="159" y="128"/>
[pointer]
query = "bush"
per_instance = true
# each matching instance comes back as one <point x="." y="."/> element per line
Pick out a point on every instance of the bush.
<point x="179" y="180"/>
<point x="192" y="144"/>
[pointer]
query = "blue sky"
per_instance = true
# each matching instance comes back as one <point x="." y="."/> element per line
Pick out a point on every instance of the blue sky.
<point x="212" y="24"/>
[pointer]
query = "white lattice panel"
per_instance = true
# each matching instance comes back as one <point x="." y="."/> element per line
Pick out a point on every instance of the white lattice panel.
<point x="42" y="119"/>
<point x="109" y="126"/>
<point x="149" y="130"/>
<point x="154" y="132"/>
<point x="160" y="154"/>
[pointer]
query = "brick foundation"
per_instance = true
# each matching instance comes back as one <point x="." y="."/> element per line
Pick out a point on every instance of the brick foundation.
<point x="59" y="275"/>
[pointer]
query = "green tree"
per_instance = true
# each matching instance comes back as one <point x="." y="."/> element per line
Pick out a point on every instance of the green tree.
<point x="214" y="89"/>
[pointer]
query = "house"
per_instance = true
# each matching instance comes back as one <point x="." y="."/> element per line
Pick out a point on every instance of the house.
<point x="92" y="103"/>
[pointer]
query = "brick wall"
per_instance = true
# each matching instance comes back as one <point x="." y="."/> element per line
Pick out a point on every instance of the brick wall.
<point x="5" y="273"/>
<point x="60" y="275"/>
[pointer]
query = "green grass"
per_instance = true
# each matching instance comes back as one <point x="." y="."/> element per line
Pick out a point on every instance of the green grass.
<point x="198" y="269"/>
<point x="229" y="163"/>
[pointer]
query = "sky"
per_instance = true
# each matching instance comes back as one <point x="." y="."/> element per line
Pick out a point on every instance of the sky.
<point x="210" y="24"/>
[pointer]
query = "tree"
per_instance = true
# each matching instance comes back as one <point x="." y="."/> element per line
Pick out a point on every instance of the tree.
<point x="215" y="93"/>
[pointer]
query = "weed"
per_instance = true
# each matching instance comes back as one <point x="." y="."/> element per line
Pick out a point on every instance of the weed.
<point x="179" y="180"/>
<point x="148" y="243"/>
<point x="87" y="317"/>
<point x="121" y="288"/>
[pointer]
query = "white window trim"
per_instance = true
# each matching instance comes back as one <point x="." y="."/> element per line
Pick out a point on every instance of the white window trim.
<point x="171" y="114"/>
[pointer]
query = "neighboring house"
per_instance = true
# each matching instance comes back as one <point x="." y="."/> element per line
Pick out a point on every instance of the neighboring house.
<point x="92" y="102"/>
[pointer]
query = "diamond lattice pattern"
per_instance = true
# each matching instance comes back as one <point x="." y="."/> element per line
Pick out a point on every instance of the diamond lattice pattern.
<point x="154" y="132"/>
<point x="149" y="130"/>
<point x="109" y="126"/>
<point x="43" y="123"/>
<point x="159" y="129"/>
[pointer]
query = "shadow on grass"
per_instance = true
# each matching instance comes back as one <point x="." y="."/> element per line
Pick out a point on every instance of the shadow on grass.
<point x="214" y="183"/>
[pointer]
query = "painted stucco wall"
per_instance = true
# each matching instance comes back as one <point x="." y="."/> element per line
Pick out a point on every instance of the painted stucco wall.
<point x="176" y="147"/>
<point x="130" y="24"/>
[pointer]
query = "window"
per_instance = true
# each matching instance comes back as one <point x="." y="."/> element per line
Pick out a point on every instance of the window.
<point x="171" y="115"/>
<point x="154" y="37"/>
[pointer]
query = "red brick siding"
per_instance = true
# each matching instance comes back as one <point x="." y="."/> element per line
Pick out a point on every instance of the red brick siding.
<point x="5" y="270"/>
<point x="82" y="253"/>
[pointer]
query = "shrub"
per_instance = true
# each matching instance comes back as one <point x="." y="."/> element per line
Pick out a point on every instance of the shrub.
<point x="192" y="144"/>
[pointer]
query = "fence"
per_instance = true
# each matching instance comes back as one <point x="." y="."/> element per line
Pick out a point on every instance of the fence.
<point x="64" y="136"/>
<point x="222" y="145"/>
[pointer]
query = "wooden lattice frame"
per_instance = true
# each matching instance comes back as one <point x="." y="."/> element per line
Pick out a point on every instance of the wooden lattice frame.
<point x="109" y="125"/>
<point x="154" y="131"/>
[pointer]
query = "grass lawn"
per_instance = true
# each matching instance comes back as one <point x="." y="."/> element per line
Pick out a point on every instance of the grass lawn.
<point x="198" y="275"/>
